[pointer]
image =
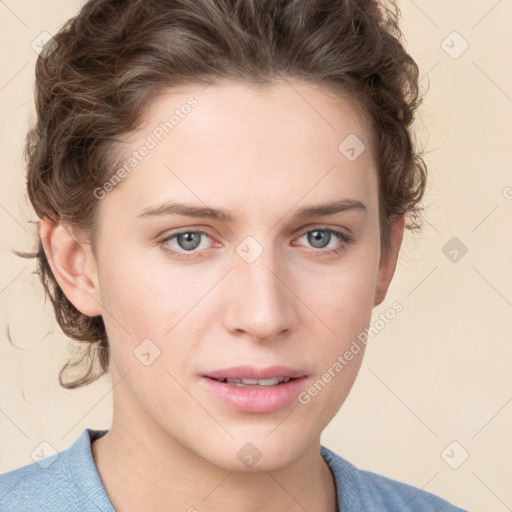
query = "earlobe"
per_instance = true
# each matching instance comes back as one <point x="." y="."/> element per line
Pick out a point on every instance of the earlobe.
<point x="73" y="265"/>
<point x="388" y="261"/>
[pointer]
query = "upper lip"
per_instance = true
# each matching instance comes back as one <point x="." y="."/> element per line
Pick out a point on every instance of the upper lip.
<point x="250" y="372"/>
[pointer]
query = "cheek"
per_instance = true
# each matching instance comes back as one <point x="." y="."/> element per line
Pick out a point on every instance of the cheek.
<point x="138" y="291"/>
<point x="346" y="310"/>
<point x="150" y="301"/>
<point x="343" y="298"/>
<point x="137" y="300"/>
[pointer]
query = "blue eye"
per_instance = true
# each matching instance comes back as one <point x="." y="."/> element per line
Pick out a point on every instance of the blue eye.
<point x="319" y="238"/>
<point x="190" y="240"/>
<point x="187" y="242"/>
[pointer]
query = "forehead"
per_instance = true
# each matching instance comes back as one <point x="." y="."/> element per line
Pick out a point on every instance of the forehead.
<point x="224" y="111"/>
<point x="238" y="143"/>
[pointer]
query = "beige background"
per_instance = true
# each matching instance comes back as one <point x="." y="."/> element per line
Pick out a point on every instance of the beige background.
<point x="439" y="372"/>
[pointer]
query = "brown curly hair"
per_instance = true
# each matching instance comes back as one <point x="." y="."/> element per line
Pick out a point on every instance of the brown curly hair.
<point x="107" y="64"/>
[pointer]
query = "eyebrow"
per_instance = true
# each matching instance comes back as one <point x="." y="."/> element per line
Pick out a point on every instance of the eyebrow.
<point x="188" y="210"/>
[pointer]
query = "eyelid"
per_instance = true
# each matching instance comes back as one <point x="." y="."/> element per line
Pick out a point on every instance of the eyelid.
<point x="343" y="237"/>
<point x="300" y="232"/>
<point x="175" y="234"/>
<point x="182" y="255"/>
<point x="320" y="227"/>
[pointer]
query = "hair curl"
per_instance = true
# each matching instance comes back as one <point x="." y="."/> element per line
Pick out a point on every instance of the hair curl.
<point x="116" y="56"/>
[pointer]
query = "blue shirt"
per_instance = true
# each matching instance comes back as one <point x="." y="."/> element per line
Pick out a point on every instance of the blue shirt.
<point x="69" y="482"/>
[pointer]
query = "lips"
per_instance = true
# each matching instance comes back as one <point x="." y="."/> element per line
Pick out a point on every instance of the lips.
<point x="250" y="374"/>
<point x="247" y="383"/>
<point x="255" y="390"/>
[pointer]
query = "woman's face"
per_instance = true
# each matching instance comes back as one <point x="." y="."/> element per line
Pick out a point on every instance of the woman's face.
<point x="188" y="296"/>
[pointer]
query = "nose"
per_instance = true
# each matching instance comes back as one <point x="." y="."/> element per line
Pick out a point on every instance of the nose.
<point x="260" y="303"/>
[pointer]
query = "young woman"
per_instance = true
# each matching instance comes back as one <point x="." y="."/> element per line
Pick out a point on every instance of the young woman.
<point x="223" y="187"/>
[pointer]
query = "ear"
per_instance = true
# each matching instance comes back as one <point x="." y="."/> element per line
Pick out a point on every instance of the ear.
<point x="73" y="265"/>
<point x="388" y="260"/>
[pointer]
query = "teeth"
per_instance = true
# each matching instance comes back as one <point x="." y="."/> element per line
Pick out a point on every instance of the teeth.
<point x="243" y="383"/>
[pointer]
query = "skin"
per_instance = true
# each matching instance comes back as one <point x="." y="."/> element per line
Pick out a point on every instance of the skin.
<point x="261" y="154"/>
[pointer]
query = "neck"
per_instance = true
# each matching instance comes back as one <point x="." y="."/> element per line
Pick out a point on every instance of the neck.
<point x="142" y="471"/>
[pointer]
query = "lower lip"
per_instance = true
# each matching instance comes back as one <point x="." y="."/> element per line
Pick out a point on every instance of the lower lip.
<point x="256" y="400"/>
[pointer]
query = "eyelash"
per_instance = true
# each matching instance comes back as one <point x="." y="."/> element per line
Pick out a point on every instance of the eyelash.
<point x="342" y="237"/>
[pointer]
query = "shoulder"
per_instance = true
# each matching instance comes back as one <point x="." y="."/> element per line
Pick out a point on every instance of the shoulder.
<point x="364" y="490"/>
<point x="47" y="484"/>
<point x="65" y="481"/>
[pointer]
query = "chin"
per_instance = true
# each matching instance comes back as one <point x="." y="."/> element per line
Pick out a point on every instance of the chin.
<point x="255" y="453"/>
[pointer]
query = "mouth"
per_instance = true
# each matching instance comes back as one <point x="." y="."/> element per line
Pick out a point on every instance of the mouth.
<point x="250" y="376"/>
<point x="255" y="383"/>
<point x="253" y="390"/>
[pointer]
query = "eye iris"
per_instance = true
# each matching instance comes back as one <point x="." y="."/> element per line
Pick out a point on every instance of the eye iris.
<point x="191" y="240"/>
<point x="315" y="236"/>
